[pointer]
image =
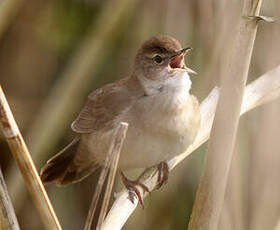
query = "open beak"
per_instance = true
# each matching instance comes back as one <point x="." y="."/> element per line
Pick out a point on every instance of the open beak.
<point x="177" y="60"/>
<point x="185" y="50"/>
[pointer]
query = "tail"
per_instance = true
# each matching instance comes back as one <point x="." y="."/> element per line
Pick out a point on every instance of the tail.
<point x="62" y="168"/>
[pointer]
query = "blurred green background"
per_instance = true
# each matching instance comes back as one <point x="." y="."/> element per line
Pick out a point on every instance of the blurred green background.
<point x="54" y="52"/>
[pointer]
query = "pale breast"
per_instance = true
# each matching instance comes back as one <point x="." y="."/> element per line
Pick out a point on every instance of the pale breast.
<point x="159" y="129"/>
<point x="164" y="128"/>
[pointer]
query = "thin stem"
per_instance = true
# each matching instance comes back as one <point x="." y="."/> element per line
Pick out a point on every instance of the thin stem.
<point x="118" y="142"/>
<point x="8" y="219"/>
<point x="26" y="166"/>
<point x="114" y="149"/>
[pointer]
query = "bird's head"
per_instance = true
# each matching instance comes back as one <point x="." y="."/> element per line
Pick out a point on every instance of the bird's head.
<point x="160" y="57"/>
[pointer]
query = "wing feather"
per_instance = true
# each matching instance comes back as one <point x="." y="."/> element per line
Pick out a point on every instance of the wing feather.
<point x="103" y="110"/>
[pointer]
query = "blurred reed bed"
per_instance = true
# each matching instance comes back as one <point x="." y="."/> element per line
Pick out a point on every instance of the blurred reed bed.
<point x="45" y="44"/>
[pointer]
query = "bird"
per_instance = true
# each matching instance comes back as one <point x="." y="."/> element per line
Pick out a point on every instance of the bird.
<point x="155" y="101"/>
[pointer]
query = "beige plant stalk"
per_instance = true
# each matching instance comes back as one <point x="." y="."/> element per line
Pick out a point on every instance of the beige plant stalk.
<point x="210" y="195"/>
<point x="26" y="166"/>
<point x="8" y="219"/>
<point x="111" y="163"/>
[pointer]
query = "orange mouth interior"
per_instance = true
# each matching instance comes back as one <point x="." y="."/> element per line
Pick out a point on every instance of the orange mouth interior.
<point x="176" y="62"/>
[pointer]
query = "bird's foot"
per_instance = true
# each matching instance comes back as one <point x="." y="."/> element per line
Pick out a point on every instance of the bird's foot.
<point x="163" y="173"/>
<point x="131" y="187"/>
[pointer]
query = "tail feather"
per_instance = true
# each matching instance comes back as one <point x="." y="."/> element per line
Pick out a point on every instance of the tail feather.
<point x="62" y="169"/>
<point x="74" y="176"/>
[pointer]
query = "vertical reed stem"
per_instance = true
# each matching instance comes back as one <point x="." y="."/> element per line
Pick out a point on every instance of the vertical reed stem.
<point x="210" y="195"/>
<point x="8" y="219"/>
<point x="113" y="152"/>
<point x="26" y="166"/>
<point x="118" y="142"/>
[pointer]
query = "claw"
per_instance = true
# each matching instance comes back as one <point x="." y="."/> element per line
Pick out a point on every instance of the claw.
<point x="163" y="173"/>
<point x="131" y="187"/>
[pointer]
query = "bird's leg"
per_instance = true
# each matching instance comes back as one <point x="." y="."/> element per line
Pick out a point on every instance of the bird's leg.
<point x="163" y="173"/>
<point x="131" y="186"/>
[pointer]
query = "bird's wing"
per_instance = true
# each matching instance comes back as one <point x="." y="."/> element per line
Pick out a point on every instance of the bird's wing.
<point x="103" y="110"/>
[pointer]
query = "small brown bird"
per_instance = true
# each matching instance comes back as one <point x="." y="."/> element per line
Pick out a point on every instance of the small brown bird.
<point x="163" y="117"/>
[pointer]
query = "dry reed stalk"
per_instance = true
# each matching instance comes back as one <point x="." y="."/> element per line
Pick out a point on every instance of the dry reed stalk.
<point x="8" y="219"/>
<point x="111" y="162"/>
<point x="210" y="194"/>
<point x="234" y="207"/>
<point x="263" y="90"/>
<point x="73" y="83"/>
<point x="117" y="145"/>
<point x="264" y="145"/>
<point x="26" y="166"/>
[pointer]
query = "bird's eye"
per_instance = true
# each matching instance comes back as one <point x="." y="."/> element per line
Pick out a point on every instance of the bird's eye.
<point x="157" y="59"/>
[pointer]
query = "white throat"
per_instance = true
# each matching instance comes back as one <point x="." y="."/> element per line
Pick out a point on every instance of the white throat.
<point x="176" y="80"/>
